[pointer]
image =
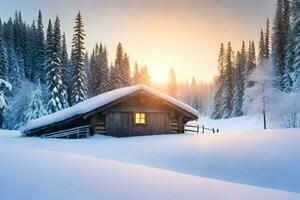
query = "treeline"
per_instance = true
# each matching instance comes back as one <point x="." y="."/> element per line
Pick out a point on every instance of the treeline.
<point x="246" y="81"/>
<point x="45" y="79"/>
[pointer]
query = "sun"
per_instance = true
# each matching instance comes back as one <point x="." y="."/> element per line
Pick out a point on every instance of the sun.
<point x="159" y="77"/>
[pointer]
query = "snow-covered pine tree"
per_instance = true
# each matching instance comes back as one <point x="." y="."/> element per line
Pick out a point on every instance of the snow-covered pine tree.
<point x="14" y="73"/>
<point x="104" y="72"/>
<point x="279" y="40"/>
<point x="31" y="52"/>
<point x="93" y="76"/>
<point x="261" y="48"/>
<point x="117" y="70"/>
<point x="66" y="69"/>
<point x="56" y="93"/>
<point x="267" y="39"/>
<point x="172" y="84"/>
<point x="251" y="62"/>
<point x="57" y="65"/>
<point x="40" y="53"/>
<point x="296" y="33"/>
<point x="136" y="74"/>
<point x="219" y="85"/>
<point x="126" y="71"/>
<point x="239" y="82"/>
<point x="36" y="107"/>
<point x="4" y="85"/>
<point x="228" y="84"/>
<point x="1" y="27"/>
<point x="3" y="61"/>
<point x="79" y="89"/>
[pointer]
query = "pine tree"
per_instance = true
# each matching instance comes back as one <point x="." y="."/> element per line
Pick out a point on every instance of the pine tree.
<point x="267" y="39"/>
<point x="281" y="29"/>
<point x="57" y="56"/>
<point x="52" y="69"/>
<point x="117" y="71"/>
<point x="4" y="85"/>
<point x="3" y="61"/>
<point x="239" y="87"/>
<point x="239" y="82"/>
<point x="228" y="84"/>
<point x="296" y="33"/>
<point x="126" y="71"/>
<point x="261" y="48"/>
<point x="65" y="69"/>
<point x="104" y="72"/>
<point x="79" y="89"/>
<point x="136" y="74"/>
<point x="218" y="93"/>
<point x="172" y="84"/>
<point x="93" y="81"/>
<point x="32" y="51"/>
<point x="36" y="107"/>
<point x="40" y="53"/>
<point x="251" y="62"/>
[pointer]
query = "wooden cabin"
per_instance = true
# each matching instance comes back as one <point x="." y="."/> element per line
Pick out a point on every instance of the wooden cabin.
<point x="132" y="111"/>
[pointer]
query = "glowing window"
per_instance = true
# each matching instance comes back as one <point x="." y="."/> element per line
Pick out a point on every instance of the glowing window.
<point x="140" y="118"/>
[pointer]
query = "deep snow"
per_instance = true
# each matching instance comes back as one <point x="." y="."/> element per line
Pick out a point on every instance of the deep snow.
<point x="151" y="167"/>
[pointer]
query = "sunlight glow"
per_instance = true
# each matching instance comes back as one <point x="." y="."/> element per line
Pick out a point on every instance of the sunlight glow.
<point x="159" y="76"/>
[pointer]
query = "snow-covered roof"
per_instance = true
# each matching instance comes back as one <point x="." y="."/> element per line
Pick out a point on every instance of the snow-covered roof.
<point x="99" y="101"/>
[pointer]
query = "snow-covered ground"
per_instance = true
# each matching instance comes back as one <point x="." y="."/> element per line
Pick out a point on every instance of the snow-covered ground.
<point x="239" y="124"/>
<point x="258" y="165"/>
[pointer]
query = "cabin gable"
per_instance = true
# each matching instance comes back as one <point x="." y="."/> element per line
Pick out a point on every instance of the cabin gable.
<point x="119" y="119"/>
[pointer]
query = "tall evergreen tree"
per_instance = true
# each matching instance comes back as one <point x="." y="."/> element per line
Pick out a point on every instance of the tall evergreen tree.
<point x="79" y="89"/>
<point x="117" y="70"/>
<point x="296" y="33"/>
<point x="65" y="69"/>
<point x="53" y="72"/>
<point x="4" y="85"/>
<point x="239" y="82"/>
<point x="40" y="53"/>
<point x="104" y="72"/>
<point x="267" y="39"/>
<point x="36" y="107"/>
<point x="126" y="71"/>
<point x="281" y="29"/>
<point x="261" y="48"/>
<point x="251" y="62"/>
<point x="239" y="87"/>
<point x="227" y="104"/>
<point x="3" y="61"/>
<point x="136" y="74"/>
<point x="218" y="93"/>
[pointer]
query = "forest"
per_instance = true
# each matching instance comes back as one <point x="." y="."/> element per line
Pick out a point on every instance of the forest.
<point x="39" y="77"/>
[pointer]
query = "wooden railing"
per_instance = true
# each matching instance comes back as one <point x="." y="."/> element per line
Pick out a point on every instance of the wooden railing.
<point x="78" y="132"/>
<point x="199" y="129"/>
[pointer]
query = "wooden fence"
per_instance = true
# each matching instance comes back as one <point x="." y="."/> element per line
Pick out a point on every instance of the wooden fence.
<point x="78" y="132"/>
<point x="199" y="129"/>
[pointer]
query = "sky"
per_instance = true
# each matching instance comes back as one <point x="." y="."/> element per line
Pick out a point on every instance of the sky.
<point x="183" y="34"/>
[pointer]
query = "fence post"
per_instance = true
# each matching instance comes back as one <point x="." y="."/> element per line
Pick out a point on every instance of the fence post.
<point x="198" y="128"/>
<point x="203" y="129"/>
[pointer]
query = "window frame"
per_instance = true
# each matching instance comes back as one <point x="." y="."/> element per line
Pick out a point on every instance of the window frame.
<point x="139" y="123"/>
